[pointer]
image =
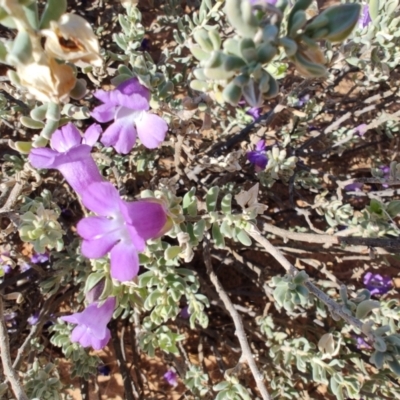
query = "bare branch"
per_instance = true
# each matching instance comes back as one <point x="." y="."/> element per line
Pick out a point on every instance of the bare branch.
<point x="332" y="305"/>
<point x="240" y="333"/>
<point x="6" y="359"/>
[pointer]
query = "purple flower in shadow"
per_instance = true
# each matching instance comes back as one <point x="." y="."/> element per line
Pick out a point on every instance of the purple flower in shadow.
<point x="128" y="106"/>
<point x="91" y="329"/>
<point x="34" y="318"/>
<point x="184" y="313"/>
<point x="258" y="156"/>
<point x="354" y="187"/>
<point x="377" y="284"/>
<point x="362" y="344"/>
<point x="171" y="377"/>
<point x="39" y="258"/>
<point x="120" y="228"/>
<point x="104" y="370"/>
<point x="70" y="154"/>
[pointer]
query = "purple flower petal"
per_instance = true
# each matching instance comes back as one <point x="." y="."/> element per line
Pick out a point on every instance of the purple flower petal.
<point x="70" y="157"/>
<point x="185" y="313"/>
<point x="354" y="187"/>
<point x="39" y="258"/>
<point x="99" y="247"/>
<point x="42" y="157"/>
<point x="65" y="138"/>
<point x="121" y="135"/>
<point x="171" y="377"/>
<point x="102" y="198"/>
<point x="92" y="135"/>
<point x="92" y="324"/>
<point x="78" y="168"/>
<point x="365" y="17"/>
<point x="148" y="217"/>
<point x="130" y="94"/>
<point x="151" y="130"/>
<point x="124" y="262"/>
<point x="104" y="113"/>
<point x="33" y="319"/>
<point x="377" y="284"/>
<point x="258" y="156"/>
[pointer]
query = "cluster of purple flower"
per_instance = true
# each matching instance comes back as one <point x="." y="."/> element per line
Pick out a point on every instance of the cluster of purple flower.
<point x="120" y="228"/>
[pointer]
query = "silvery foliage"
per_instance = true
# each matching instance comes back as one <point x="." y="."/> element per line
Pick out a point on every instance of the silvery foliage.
<point x="43" y="382"/>
<point x="236" y="67"/>
<point x="374" y="48"/>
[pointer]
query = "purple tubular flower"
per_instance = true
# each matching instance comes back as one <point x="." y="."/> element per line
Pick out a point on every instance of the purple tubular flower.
<point x="365" y="17"/>
<point x="127" y="105"/>
<point x="377" y="284"/>
<point x="258" y="156"/>
<point x="70" y="154"/>
<point x="91" y="329"/>
<point x="39" y="258"/>
<point x="171" y="377"/>
<point x="120" y="228"/>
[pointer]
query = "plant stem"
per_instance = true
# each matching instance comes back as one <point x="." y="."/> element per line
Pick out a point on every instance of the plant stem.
<point x="6" y="359"/>
<point x="240" y="333"/>
<point x="335" y="308"/>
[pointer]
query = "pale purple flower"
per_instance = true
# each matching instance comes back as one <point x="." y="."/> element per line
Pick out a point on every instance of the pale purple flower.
<point x="361" y="129"/>
<point x="10" y="316"/>
<point x="25" y="267"/>
<point x="128" y="106"/>
<point x="39" y="258"/>
<point x="303" y="100"/>
<point x="377" y="284"/>
<point x="386" y="174"/>
<point x="6" y="269"/>
<point x="34" y="318"/>
<point x="258" y="156"/>
<point x="185" y="313"/>
<point x="362" y="344"/>
<point x="171" y="377"/>
<point x="365" y="17"/>
<point x="120" y="228"/>
<point x="91" y="329"/>
<point x="262" y="2"/>
<point x="70" y="154"/>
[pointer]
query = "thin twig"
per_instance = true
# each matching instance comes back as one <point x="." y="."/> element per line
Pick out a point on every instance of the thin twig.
<point x="126" y="378"/>
<point x="331" y="239"/>
<point x="240" y="333"/>
<point x="6" y="359"/>
<point x="333" y="306"/>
